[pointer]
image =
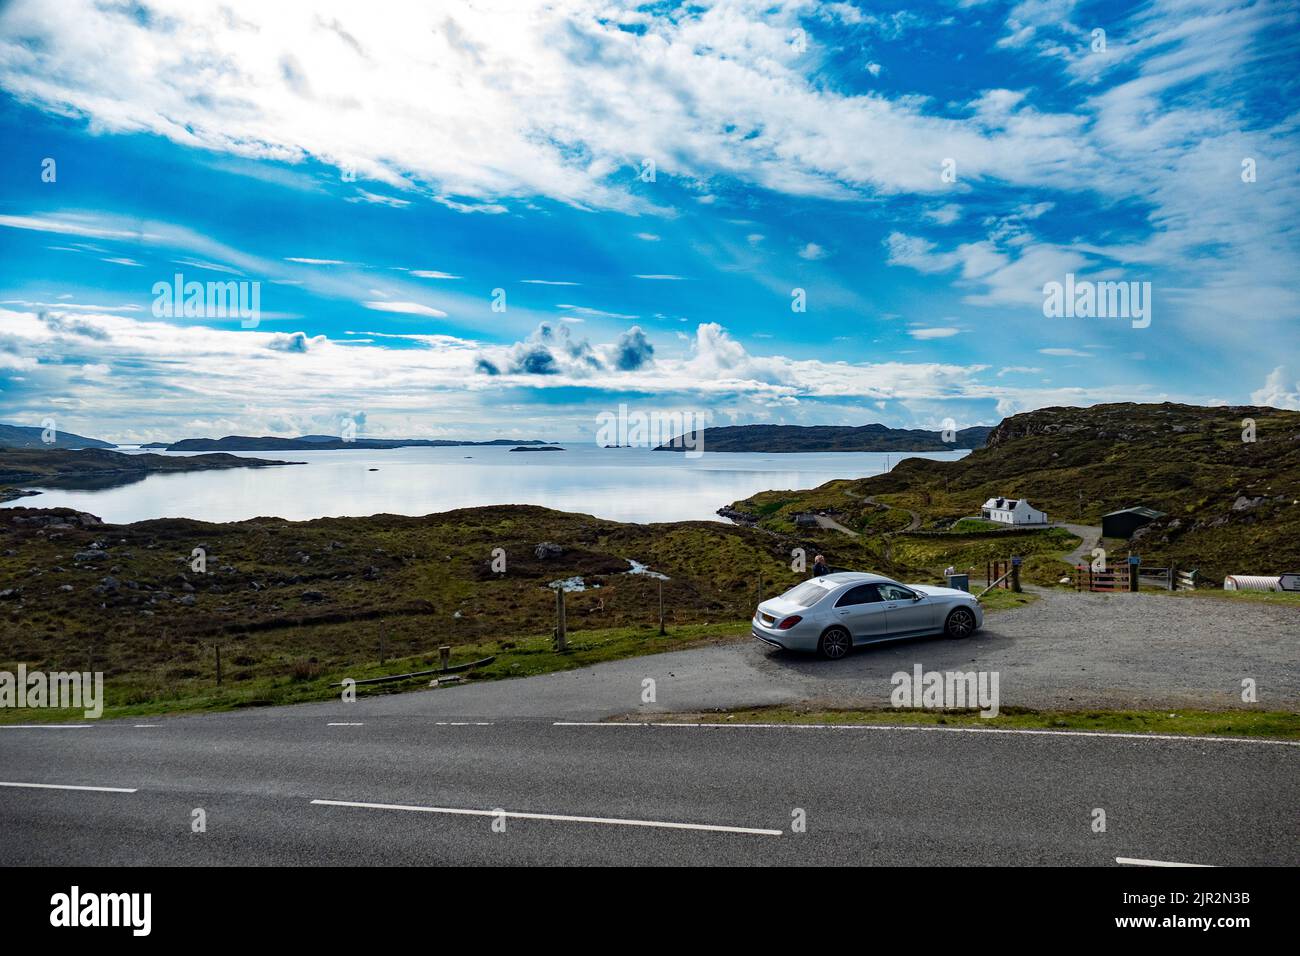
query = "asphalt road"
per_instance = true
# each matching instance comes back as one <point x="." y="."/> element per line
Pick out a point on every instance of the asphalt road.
<point x="869" y="796"/>
<point x="702" y="795"/>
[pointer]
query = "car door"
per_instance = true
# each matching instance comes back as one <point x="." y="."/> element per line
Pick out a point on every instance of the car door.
<point x="862" y="611"/>
<point x="907" y="614"/>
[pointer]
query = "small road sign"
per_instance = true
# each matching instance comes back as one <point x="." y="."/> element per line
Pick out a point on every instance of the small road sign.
<point x="1290" y="582"/>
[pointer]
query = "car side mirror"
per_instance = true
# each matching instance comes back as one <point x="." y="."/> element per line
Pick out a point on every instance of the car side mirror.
<point x="918" y="597"/>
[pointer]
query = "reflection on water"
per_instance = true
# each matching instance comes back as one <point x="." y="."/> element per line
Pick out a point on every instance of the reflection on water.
<point x="623" y="484"/>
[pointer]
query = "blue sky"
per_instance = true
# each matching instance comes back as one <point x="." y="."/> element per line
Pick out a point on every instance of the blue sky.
<point x="380" y="171"/>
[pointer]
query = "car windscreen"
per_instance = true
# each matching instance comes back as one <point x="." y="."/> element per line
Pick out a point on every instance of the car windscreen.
<point x="806" y="594"/>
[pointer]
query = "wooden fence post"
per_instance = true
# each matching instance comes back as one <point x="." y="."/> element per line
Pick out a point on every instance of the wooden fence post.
<point x="561" y="641"/>
<point x="662" y="632"/>
<point x="217" y="648"/>
<point x="444" y="655"/>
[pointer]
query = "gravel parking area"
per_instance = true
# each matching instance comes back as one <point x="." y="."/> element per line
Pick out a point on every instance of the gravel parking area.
<point x="1066" y="651"/>
<point x="1071" y="650"/>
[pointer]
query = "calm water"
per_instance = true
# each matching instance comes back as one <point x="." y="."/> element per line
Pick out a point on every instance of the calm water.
<point x="623" y="484"/>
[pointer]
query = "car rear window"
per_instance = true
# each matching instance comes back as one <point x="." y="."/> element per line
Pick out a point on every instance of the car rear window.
<point x="806" y="594"/>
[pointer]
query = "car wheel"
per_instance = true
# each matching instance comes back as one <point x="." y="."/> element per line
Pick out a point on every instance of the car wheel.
<point x="835" y="644"/>
<point x="960" y="623"/>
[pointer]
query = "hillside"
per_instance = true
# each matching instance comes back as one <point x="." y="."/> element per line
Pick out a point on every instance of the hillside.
<point x="29" y="436"/>
<point x="1231" y="506"/>
<point x="814" y="438"/>
<point x="290" y="600"/>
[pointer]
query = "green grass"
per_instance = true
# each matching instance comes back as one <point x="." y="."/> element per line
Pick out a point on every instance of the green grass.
<point x="521" y="657"/>
<point x="1001" y="599"/>
<point x="1283" y="598"/>
<point x="976" y="524"/>
<point x="1281" y="725"/>
<point x="972" y="552"/>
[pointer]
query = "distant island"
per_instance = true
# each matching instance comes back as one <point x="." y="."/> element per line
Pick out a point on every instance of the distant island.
<point x="31" y="436"/>
<point x="95" y="468"/>
<point x="319" y="442"/>
<point x="537" y="448"/>
<point x="817" y="438"/>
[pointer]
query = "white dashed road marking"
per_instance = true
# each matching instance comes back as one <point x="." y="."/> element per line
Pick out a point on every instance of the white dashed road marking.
<point x="64" y="786"/>
<point x="44" y="726"/>
<point x="1129" y="861"/>
<point x="554" y="817"/>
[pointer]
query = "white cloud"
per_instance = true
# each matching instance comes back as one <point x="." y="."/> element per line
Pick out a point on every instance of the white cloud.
<point x="593" y="313"/>
<point x="377" y="199"/>
<point x="295" y="342"/>
<point x="165" y="373"/>
<point x="1280" y="390"/>
<point x="499" y="101"/>
<point x="406" y="308"/>
<point x="944" y="215"/>
<point x="69" y="224"/>
<point x="934" y="333"/>
<point x="812" y="252"/>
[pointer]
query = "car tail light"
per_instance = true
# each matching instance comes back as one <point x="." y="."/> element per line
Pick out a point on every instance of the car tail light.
<point x="789" y="622"/>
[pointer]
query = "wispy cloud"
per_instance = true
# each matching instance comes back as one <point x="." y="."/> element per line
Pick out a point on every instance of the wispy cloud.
<point x="406" y="308"/>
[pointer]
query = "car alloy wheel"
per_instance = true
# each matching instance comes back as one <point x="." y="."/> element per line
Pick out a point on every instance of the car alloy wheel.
<point x="961" y="623"/>
<point x="835" y="644"/>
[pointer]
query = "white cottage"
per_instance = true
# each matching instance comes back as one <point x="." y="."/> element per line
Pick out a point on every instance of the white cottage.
<point x="1014" y="511"/>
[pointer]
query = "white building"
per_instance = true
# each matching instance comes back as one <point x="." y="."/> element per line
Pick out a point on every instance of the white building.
<point x="1015" y="511"/>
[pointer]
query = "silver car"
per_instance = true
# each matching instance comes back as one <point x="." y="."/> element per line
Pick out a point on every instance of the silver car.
<point x="834" y="613"/>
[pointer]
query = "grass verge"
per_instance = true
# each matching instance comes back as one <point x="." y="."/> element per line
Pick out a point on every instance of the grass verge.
<point x="1282" y="725"/>
<point x="1283" y="598"/>
<point x="519" y="657"/>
